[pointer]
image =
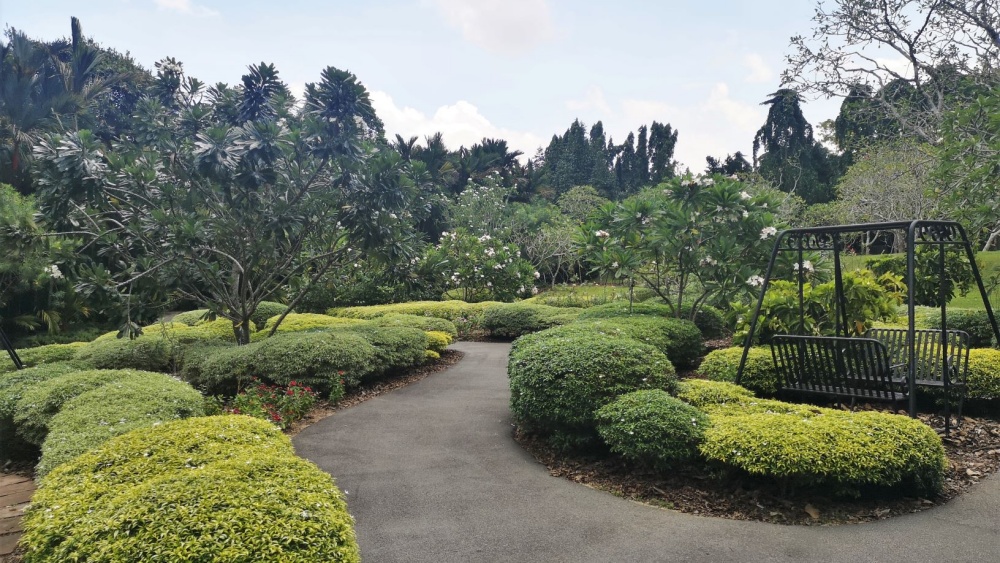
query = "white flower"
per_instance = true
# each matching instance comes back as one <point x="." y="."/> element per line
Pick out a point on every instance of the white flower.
<point x="708" y="261"/>
<point x="768" y="232"/>
<point x="602" y="234"/>
<point x="746" y="213"/>
<point x="614" y="264"/>
<point x="807" y="266"/>
<point x="392" y="215"/>
<point x="489" y="284"/>
<point x="755" y="281"/>
<point x="537" y="275"/>
<point x="744" y="195"/>
<point x="54" y="272"/>
<point x="534" y="290"/>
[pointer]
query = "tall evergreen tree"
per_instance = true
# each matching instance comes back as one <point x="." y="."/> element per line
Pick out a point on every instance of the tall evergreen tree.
<point x="662" y="140"/>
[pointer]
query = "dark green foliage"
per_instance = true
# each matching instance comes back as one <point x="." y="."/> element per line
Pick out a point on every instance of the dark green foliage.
<point x="620" y="309"/>
<point x="958" y="273"/>
<point x="424" y="323"/>
<point x="40" y="355"/>
<point x="652" y="428"/>
<point x="150" y="353"/>
<point x="709" y="320"/>
<point x="40" y="402"/>
<point x="759" y="374"/>
<point x="190" y="318"/>
<point x="232" y="484"/>
<point x="557" y="380"/>
<point x="266" y="310"/>
<point x="92" y="418"/>
<point x="973" y="321"/>
<point x="511" y="320"/>
<point x="396" y="348"/>
<point x="12" y="388"/>
<point x="80" y="334"/>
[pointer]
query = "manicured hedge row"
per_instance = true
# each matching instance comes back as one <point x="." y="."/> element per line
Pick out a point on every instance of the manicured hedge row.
<point x="396" y="348"/>
<point x="150" y="353"/>
<point x="984" y="373"/>
<point x="426" y="324"/>
<point x="450" y="310"/>
<point x="225" y="488"/>
<point x="135" y="401"/>
<point x="511" y="320"/>
<point x="678" y="339"/>
<point x="40" y="355"/>
<point x="12" y="389"/>
<point x="559" y="378"/>
<point x="758" y="373"/>
<point x="265" y="310"/>
<point x="299" y="322"/>
<point x="973" y="321"/>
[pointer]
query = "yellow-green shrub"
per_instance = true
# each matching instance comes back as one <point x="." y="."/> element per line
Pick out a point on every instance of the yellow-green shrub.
<point x="417" y="321"/>
<point x="190" y="318"/>
<point x="145" y="353"/>
<point x="702" y="393"/>
<point x="437" y="340"/>
<point x="41" y="355"/>
<point x="450" y="310"/>
<point x="12" y="389"/>
<point x="759" y="374"/>
<point x="431" y="356"/>
<point x="234" y="489"/>
<point x="298" y="322"/>
<point x="984" y="373"/>
<point x="845" y="451"/>
<point x="135" y="401"/>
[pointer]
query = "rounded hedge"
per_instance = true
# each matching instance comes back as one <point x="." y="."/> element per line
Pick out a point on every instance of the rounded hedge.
<point x="511" y="320"/>
<point x="265" y="311"/>
<point x="299" y="322"/>
<point x="678" y="339"/>
<point x="190" y="318"/>
<point x="984" y="374"/>
<point x="622" y="309"/>
<point x="450" y="310"/>
<point x="975" y="322"/>
<point x="40" y="402"/>
<point x="145" y="353"/>
<point x="12" y="389"/>
<point x="424" y="323"/>
<point x="41" y="355"/>
<point x="702" y="393"/>
<point x="652" y="428"/>
<point x="437" y="341"/>
<point x="396" y="348"/>
<point x="759" y="374"/>
<point x="558" y="381"/>
<point x="844" y="451"/>
<point x="92" y="418"/>
<point x="206" y="489"/>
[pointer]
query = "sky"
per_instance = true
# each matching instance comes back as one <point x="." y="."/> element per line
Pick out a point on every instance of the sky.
<point x="521" y="70"/>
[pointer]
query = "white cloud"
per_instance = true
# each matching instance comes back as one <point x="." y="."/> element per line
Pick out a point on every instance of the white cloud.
<point x="500" y="26"/>
<point x="759" y="71"/>
<point x="185" y="7"/>
<point x="460" y="124"/>
<point x="593" y="100"/>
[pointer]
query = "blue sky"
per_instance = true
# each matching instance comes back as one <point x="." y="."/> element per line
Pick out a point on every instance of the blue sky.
<point x="517" y="69"/>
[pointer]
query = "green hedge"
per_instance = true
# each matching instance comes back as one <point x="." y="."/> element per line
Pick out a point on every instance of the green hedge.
<point x="846" y="452"/>
<point x="426" y="324"/>
<point x="92" y="418"/>
<point x="149" y="353"/>
<point x="450" y="310"/>
<point x="40" y="402"/>
<point x="190" y="318"/>
<point x="703" y="394"/>
<point x="984" y="374"/>
<point x="12" y="389"/>
<point x="973" y="321"/>
<point x="323" y="360"/>
<point x="265" y="310"/>
<point x="709" y="320"/>
<point x="41" y="355"/>
<point x="680" y="340"/>
<point x="622" y="309"/>
<point x="299" y="322"/>
<point x="396" y="348"/>
<point x="652" y="428"/>
<point x="511" y="320"/>
<point x="759" y="374"/>
<point x="557" y="381"/>
<point x="437" y="341"/>
<point x="225" y="488"/>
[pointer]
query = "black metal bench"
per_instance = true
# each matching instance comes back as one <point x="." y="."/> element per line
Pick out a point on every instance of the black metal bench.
<point x="929" y="356"/>
<point x="838" y="367"/>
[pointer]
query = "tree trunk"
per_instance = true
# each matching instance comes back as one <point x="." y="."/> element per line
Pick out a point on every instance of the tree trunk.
<point x="242" y="331"/>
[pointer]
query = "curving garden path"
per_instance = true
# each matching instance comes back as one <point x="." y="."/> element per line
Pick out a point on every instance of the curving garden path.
<point x="432" y="474"/>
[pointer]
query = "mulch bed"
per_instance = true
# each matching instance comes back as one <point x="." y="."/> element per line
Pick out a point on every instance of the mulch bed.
<point x="973" y="450"/>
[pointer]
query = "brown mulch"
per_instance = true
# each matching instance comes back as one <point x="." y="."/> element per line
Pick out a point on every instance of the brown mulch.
<point x="973" y="451"/>
<point x="324" y="409"/>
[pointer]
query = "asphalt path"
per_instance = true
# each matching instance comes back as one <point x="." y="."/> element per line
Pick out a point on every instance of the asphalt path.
<point x="432" y="474"/>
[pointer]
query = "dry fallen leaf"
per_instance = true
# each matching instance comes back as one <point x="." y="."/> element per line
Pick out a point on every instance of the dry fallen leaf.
<point x="812" y="511"/>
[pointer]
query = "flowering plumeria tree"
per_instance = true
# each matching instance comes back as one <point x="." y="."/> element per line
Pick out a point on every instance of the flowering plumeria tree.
<point x="483" y="267"/>
<point x="692" y="240"/>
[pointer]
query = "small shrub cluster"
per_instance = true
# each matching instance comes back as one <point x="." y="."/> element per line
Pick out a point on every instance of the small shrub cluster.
<point x="652" y="428"/>
<point x="82" y="333"/>
<point x="585" y="296"/>
<point x="424" y="323"/>
<point x="559" y="379"/>
<point x="300" y="322"/>
<point x="973" y="321"/>
<point x="680" y="340"/>
<point x="396" y="348"/>
<point x="759" y="374"/>
<point x="984" y="374"/>
<point x="191" y="318"/>
<point x="282" y="406"/>
<point x="511" y="320"/>
<point x="41" y="355"/>
<point x="705" y="394"/>
<point x="234" y="488"/>
<point x="149" y="353"/>
<point x="437" y="341"/>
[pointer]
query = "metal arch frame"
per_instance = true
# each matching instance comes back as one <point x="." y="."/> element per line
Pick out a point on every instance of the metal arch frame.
<point x="940" y="233"/>
<point x="9" y="347"/>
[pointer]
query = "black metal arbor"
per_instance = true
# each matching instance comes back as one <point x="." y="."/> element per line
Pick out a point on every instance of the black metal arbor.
<point x="920" y="232"/>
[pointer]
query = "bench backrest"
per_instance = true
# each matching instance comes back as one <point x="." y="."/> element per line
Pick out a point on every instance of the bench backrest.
<point x="835" y="365"/>
<point x="928" y="343"/>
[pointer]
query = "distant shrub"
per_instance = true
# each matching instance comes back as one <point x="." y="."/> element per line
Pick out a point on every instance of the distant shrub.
<point x="701" y="393"/>
<point x="585" y="296"/>
<point x="652" y="428"/>
<point x="267" y="310"/>
<point x="511" y="320"/>
<point x="149" y="354"/>
<point x="40" y="402"/>
<point x="190" y="318"/>
<point x="12" y="389"/>
<point x="557" y="381"/>
<point x="92" y="418"/>
<point x="759" y="374"/>
<point x="396" y="348"/>
<point x="984" y="374"/>
<point x="622" y="309"/>
<point x="437" y="340"/>
<point x="299" y="322"/>
<point x="40" y="355"/>
<point x="233" y="485"/>
<point x="83" y="333"/>
<point x="450" y="310"/>
<point x="680" y="340"/>
<point x="424" y="323"/>
<point x="973" y="321"/>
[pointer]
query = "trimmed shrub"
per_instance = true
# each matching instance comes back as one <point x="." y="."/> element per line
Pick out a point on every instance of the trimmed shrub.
<point x="94" y="417"/>
<point x="652" y="428"/>
<point x="190" y="318"/>
<point x="709" y="320"/>
<point x="437" y="341"/>
<point x="845" y="451"/>
<point x="621" y="309"/>
<point x="678" y="339"/>
<point x="40" y="402"/>
<point x="702" y="394"/>
<point x="431" y="356"/>
<point x="558" y="381"/>
<point x="41" y="355"/>
<point x="12" y="389"/>
<point x="973" y="321"/>
<point x="267" y="310"/>
<point x="759" y="374"/>
<point x="984" y="374"/>
<point x="450" y="310"/>
<point x="234" y="487"/>
<point x="396" y="348"/>
<point x="219" y="329"/>
<point x="81" y="333"/>
<point x="424" y="323"/>
<point x="511" y="320"/>
<point x="193" y="356"/>
<point x="144" y="353"/>
<point x="299" y="322"/>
